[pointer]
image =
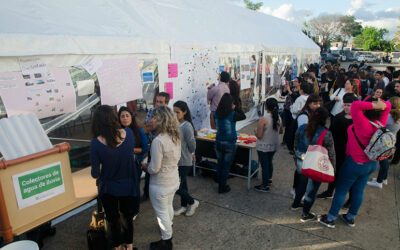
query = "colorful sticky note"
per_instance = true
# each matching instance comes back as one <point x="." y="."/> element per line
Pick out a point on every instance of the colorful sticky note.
<point x="172" y="70"/>
<point x="221" y="68"/>
<point x="169" y="88"/>
<point x="147" y="76"/>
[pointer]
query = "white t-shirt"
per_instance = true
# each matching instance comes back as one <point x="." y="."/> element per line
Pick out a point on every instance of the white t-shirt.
<point x="338" y="107"/>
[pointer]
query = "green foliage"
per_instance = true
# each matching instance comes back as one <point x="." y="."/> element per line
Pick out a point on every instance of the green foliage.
<point x="396" y="39"/>
<point x="371" y="38"/>
<point x="252" y="6"/>
<point x="349" y="26"/>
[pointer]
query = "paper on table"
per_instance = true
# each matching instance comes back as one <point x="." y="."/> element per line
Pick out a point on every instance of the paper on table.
<point x="91" y="64"/>
<point x="85" y="87"/>
<point x="119" y="80"/>
<point x="32" y="65"/>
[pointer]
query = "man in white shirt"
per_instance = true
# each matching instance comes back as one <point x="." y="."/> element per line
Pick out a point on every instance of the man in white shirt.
<point x="301" y="100"/>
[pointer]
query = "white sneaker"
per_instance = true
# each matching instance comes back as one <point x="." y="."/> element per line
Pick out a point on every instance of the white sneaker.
<point x="192" y="208"/>
<point x="293" y="193"/>
<point x="384" y="181"/>
<point x="180" y="211"/>
<point x="374" y="184"/>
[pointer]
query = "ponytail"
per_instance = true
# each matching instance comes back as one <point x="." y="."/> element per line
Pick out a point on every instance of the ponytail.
<point x="272" y="105"/>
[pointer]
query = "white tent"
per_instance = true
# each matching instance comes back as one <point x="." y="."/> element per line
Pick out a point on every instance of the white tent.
<point x="64" y="33"/>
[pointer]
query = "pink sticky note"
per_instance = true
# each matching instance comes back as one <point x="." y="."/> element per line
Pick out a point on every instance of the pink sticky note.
<point x="172" y="70"/>
<point x="169" y="88"/>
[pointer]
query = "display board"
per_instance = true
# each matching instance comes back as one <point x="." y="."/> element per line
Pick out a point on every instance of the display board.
<point x="197" y="68"/>
<point x="45" y="94"/>
<point x="245" y="82"/>
<point x="119" y="80"/>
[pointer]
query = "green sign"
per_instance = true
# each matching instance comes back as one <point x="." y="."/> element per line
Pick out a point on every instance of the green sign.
<point x="39" y="184"/>
<point x="40" y="181"/>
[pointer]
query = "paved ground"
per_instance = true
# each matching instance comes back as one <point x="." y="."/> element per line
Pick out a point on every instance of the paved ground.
<point x="245" y="219"/>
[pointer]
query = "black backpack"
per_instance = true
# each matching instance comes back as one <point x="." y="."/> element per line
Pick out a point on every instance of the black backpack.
<point x="292" y="132"/>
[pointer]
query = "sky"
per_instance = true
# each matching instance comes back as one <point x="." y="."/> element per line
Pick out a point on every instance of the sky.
<point x="377" y="13"/>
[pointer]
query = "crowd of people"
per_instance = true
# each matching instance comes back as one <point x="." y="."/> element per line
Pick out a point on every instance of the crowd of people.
<point x="326" y="96"/>
<point x="354" y="100"/>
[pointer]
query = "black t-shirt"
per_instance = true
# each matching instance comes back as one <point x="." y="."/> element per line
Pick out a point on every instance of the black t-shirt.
<point x="339" y="125"/>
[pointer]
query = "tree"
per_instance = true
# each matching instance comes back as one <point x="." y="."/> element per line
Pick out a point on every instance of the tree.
<point x="371" y="38"/>
<point x="326" y="27"/>
<point x="349" y="27"/>
<point x="396" y="39"/>
<point x="252" y="6"/>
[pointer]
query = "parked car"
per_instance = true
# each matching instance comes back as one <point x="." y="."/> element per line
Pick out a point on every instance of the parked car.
<point x="367" y="58"/>
<point x="333" y="58"/>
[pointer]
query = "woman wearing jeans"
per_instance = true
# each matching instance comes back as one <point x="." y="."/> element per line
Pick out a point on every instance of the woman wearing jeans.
<point x="268" y="142"/>
<point x="163" y="170"/>
<point x="188" y="204"/>
<point x="309" y="135"/>
<point x="226" y="116"/>
<point x="357" y="167"/>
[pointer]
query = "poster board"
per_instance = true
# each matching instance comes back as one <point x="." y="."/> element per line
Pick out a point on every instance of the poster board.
<point x="197" y="68"/>
<point x="245" y="69"/>
<point x="24" y="219"/>
<point x="44" y="94"/>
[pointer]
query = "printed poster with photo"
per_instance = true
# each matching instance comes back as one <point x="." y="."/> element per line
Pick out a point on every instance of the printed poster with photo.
<point x="44" y="94"/>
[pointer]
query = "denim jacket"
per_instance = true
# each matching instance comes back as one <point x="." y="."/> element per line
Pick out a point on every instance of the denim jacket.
<point x="301" y="142"/>
<point x="226" y="128"/>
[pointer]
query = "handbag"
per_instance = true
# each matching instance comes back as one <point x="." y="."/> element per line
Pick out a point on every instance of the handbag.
<point x="332" y="90"/>
<point x="316" y="163"/>
<point x="329" y="105"/>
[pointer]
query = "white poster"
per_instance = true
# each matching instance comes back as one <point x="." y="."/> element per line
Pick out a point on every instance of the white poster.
<point x="119" y="80"/>
<point x="85" y="87"/>
<point x="91" y="64"/>
<point x="197" y="69"/>
<point x="245" y="82"/>
<point x="45" y="94"/>
<point x="31" y="65"/>
<point x="37" y="185"/>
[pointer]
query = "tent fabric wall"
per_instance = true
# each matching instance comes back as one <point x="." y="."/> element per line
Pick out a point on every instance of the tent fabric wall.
<point x="95" y="27"/>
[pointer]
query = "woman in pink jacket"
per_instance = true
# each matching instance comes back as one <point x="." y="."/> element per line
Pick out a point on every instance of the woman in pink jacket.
<point x="357" y="167"/>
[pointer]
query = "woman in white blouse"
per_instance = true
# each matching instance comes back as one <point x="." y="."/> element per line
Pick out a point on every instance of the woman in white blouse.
<point x="163" y="170"/>
<point x="339" y="93"/>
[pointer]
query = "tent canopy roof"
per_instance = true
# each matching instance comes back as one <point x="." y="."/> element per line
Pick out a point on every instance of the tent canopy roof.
<point x="43" y="27"/>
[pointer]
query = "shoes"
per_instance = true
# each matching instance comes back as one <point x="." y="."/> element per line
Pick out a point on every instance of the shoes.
<point x="261" y="188"/>
<point x="348" y="222"/>
<point x="192" y="208"/>
<point x="325" y="195"/>
<point x="161" y="245"/>
<point x="293" y="193"/>
<point x="294" y="208"/>
<point x="308" y="217"/>
<point x="374" y="184"/>
<point x="346" y="204"/>
<point x="323" y="219"/>
<point x="291" y="152"/>
<point x="270" y="181"/>
<point x="224" y="189"/>
<point x="180" y="211"/>
<point x="384" y="181"/>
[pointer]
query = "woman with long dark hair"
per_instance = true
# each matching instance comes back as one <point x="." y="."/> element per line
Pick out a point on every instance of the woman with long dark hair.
<point x="267" y="133"/>
<point x="357" y="167"/>
<point x="309" y="135"/>
<point x="113" y="166"/>
<point x="128" y="120"/>
<point x="188" y="147"/>
<point x="226" y="116"/>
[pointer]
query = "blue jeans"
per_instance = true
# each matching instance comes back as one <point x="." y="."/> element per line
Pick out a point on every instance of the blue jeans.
<point x="383" y="170"/>
<point x="225" y="151"/>
<point x="267" y="167"/>
<point x="186" y="199"/>
<point x="355" y="176"/>
<point x="311" y="192"/>
<point x="301" y="184"/>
